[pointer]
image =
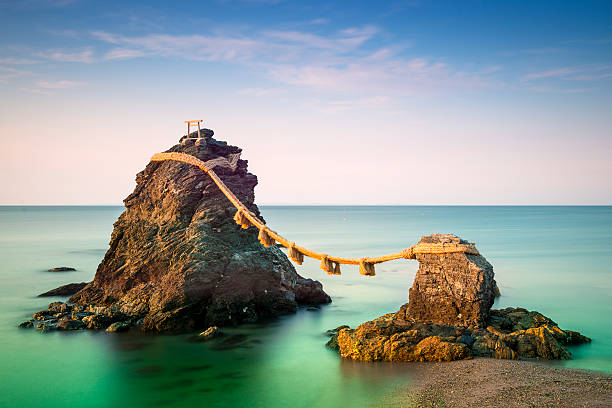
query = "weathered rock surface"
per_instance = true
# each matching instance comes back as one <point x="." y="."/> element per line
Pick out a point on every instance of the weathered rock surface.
<point x="177" y="260"/>
<point x="451" y="288"/>
<point x="511" y="333"/>
<point x="448" y="317"/>
<point x="65" y="290"/>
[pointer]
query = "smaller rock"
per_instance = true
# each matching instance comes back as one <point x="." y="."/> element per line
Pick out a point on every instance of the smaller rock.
<point x="210" y="333"/>
<point x="61" y="269"/>
<point x="332" y="332"/>
<point x="47" y="325"/>
<point x="65" y="290"/>
<point x="26" y="324"/>
<point x="79" y="315"/>
<point x="572" y="338"/>
<point x="118" y="327"/>
<point x="96" y="321"/>
<point x="43" y="315"/>
<point x="310" y="292"/>
<point x="67" y="323"/>
<point x="59" y="307"/>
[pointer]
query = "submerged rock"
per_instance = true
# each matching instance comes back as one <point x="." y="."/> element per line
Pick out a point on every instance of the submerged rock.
<point x="97" y="321"/>
<point x="65" y="290"/>
<point x="61" y="269"/>
<point x="448" y="317"/>
<point x="118" y="327"/>
<point x="210" y="333"/>
<point x="177" y="261"/>
<point x="66" y="323"/>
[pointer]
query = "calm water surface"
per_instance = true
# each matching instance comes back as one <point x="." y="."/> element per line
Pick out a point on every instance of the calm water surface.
<point x="557" y="260"/>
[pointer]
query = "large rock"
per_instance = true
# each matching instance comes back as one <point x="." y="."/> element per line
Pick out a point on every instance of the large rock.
<point x="177" y="260"/>
<point x="451" y="288"/>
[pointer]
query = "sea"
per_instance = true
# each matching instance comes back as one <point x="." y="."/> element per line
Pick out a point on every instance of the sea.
<point x="556" y="260"/>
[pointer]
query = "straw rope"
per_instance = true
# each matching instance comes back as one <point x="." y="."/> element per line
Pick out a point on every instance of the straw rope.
<point x="331" y="264"/>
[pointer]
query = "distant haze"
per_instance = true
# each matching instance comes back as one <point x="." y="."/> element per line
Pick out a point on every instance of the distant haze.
<point x="376" y="103"/>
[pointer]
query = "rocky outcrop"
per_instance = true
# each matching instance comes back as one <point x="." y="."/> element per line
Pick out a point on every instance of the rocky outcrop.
<point x="451" y="288"/>
<point x="177" y="260"/>
<point x="65" y="290"/>
<point x="511" y="333"/>
<point x="448" y="317"/>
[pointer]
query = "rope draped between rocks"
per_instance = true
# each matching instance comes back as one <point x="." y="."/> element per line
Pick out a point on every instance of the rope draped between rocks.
<point x="330" y="264"/>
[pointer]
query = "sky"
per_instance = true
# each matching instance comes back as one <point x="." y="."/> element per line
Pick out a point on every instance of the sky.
<point x="364" y="103"/>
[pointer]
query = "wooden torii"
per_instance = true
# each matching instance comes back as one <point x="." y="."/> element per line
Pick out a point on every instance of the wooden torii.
<point x="189" y="124"/>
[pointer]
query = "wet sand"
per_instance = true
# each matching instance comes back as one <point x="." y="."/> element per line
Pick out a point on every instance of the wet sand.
<point x="503" y="383"/>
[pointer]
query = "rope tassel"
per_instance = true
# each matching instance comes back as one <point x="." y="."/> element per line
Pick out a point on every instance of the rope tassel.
<point x="337" y="269"/>
<point x="295" y="255"/>
<point x="265" y="239"/>
<point x="327" y="265"/>
<point x="366" y="268"/>
<point x="242" y="220"/>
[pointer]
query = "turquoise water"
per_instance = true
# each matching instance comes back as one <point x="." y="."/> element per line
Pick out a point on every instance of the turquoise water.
<point x="557" y="260"/>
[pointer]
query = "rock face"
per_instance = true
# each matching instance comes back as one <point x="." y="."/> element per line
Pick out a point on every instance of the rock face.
<point x="452" y="288"/>
<point x="448" y="317"/>
<point x="177" y="261"/>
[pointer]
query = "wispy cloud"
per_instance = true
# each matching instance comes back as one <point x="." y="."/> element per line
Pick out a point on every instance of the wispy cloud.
<point x="195" y="47"/>
<point x="392" y="75"/>
<point x="551" y="73"/>
<point x="35" y="4"/>
<point x="534" y="51"/>
<point x="343" y="105"/>
<point x="18" y="61"/>
<point x="83" y="56"/>
<point x="48" y="87"/>
<point x="558" y="90"/>
<point x="592" y="77"/>
<point x="124" y="53"/>
<point x="583" y="73"/>
<point x="8" y="73"/>
<point x="344" y="60"/>
<point x="62" y="84"/>
<point x="345" y="40"/>
<point x="592" y="41"/>
<point x="261" y="91"/>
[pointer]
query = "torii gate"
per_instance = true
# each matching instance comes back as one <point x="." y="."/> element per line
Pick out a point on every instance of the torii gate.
<point x="189" y="124"/>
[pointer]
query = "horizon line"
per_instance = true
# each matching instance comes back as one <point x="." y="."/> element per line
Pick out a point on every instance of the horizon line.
<point x="337" y="205"/>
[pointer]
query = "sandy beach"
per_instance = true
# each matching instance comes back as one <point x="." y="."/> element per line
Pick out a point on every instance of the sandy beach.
<point x="503" y="383"/>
